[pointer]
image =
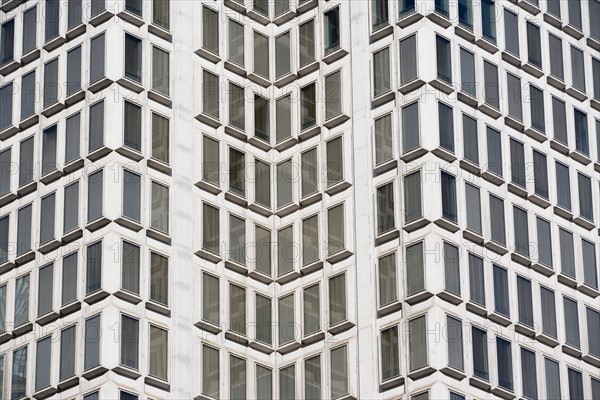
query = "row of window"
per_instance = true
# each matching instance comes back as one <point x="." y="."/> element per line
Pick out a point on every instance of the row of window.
<point x="70" y="363"/>
<point x="284" y="384"/>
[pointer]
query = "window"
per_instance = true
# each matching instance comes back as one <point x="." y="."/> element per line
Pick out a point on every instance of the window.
<point x="132" y="126"/>
<point x="595" y="382"/>
<point x="95" y="193"/>
<point x="381" y="72"/>
<point x="237" y="240"/>
<point x="473" y="202"/>
<point x="571" y="322"/>
<point x="468" y="84"/>
<point x="563" y="181"/>
<point x="92" y="338"/>
<point x="123" y="395"/>
<point x="406" y="7"/>
<point x="68" y="339"/>
<point x="306" y="39"/>
<point x="379" y="14"/>
<point x="160" y="71"/>
<point x="133" y="58"/>
<point x="130" y="268"/>
<point x="415" y="269"/>
<point x="159" y="213"/>
<point x="237" y="309"/>
<point x="332" y="30"/>
<point x="339" y="372"/>
<point x="494" y="151"/>
<point x="511" y="32"/>
<point x="160" y="138"/>
<point x="210" y="30"/>
<point x="544" y="242"/>
<point x="51" y="83"/>
<point x="417" y="342"/>
<point x="575" y="384"/>
<point x="383" y="139"/>
<point x="596" y="72"/>
<point x="337" y="299"/>
<point x="594" y="8"/>
<point x="286" y="251"/>
<point x="586" y="208"/>
<point x="210" y="94"/>
<point x="286" y="320"/>
<point x="159" y="352"/>
<point x="96" y="132"/>
<point x="134" y="7"/>
<point x="285" y="179"/>
<point x="281" y="7"/>
<point x="29" y="31"/>
<point x="385" y="208"/>
<point x="74" y="11"/>
<point x="283" y="118"/>
<point x="465" y="14"/>
<point x="408" y="59"/>
<point x="210" y="161"/>
<point x="26" y="161"/>
<point x="97" y="7"/>
<point x="536" y="98"/>
<point x="451" y="269"/>
<point x="129" y="342"/>
<point x="312" y="378"/>
<point x="335" y="229"/>
<point x="449" y="207"/>
<point x="442" y="7"/>
<point x="93" y="275"/>
<point x="21" y="301"/>
<point x="567" y="253"/>
<point x="540" y="171"/>
<point x="470" y="139"/>
<point x="534" y="47"/>
<point x="160" y="13"/>
<point x="311" y="310"/>
<point x="97" y="57"/>
<point x="237" y="377"/>
<point x="261" y="55"/>
<point x="24" y="230"/>
<point x="444" y="59"/>
<point x="287" y="382"/>
<point x="2" y="320"/>
<point x="19" y="373"/>
<point x="525" y="301"/>
<point x="210" y="368"/>
<point x="73" y="70"/>
<point x="548" y="312"/>
<point x="581" y="132"/>
<point x="390" y="353"/>
<point x="47" y="218"/>
<point x="521" y="231"/>
<point x="501" y="297"/>
<point x="505" y="373"/>
<point x="556" y="57"/>
<point x="446" y="126"/>
<point x="52" y="18"/>
<point x="6" y="100"/>
<point x="236" y="43"/>
<point x="553" y="7"/>
<point x="308" y="106"/>
<point x="5" y="169"/>
<point x="237" y="110"/>
<point x="593" y="330"/>
<point x="262" y="7"/>
<point x="476" y="280"/>
<point x="552" y="379"/>
<point x="388" y="292"/>
<point x="262" y="118"/>
<point x="262" y="183"/>
<point x="333" y="95"/>
<point x="335" y="161"/>
<point x="412" y="197"/>
<point x="71" y="203"/>
<point x="7" y="42"/>
<point x="578" y="69"/>
<point x="590" y="276"/>
<point x="282" y="55"/>
<point x="559" y="119"/>
<point x="28" y="100"/>
<point x="43" y="366"/>
<point x="488" y="20"/>
<point x="455" y="343"/>
<point x="491" y="87"/>
<point x="210" y="299"/>
<point x="69" y="279"/>
<point x="4" y="224"/>
<point x="575" y="17"/>
<point x="264" y="382"/>
<point x="480" y="353"/>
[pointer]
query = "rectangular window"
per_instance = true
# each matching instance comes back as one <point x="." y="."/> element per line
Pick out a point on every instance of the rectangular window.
<point x="511" y="32"/>
<point x="383" y="139"/>
<point x="538" y="118"/>
<point x="388" y="291"/>
<point x="594" y="9"/>
<point x="285" y="309"/>
<point x="544" y="242"/>
<point x="451" y="269"/>
<point x="130" y="268"/>
<point x="237" y="309"/>
<point x="73" y="70"/>
<point x="381" y="72"/>
<point x="581" y="132"/>
<point x="556" y="57"/>
<point x="559" y="120"/>
<point x="262" y="7"/>
<point x="29" y="30"/>
<point x="488" y="20"/>
<point x="97" y="7"/>
<point x="133" y="58"/>
<point x="2" y="321"/>
<point x="417" y="342"/>
<point x="237" y="377"/>
<point x="312" y="378"/>
<point x="134" y="7"/>
<point x="280" y="8"/>
<point x="236" y="43"/>
<point x="415" y="269"/>
<point x="159" y="353"/>
<point x="287" y="382"/>
<point x="563" y="181"/>
<point x="5" y="172"/>
<point x="264" y="383"/>
<point x="210" y="299"/>
<point x="515" y="100"/>
<point x="468" y="83"/>
<point x="578" y="69"/>
<point x="71" y="203"/>
<point x="476" y="280"/>
<point x="6" y="100"/>
<point x="548" y="312"/>
<point x="19" y="374"/>
<point x="333" y="95"/>
<point x="521" y="231"/>
<point x="45" y="289"/>
<point x="575" y="380"/>
<point x="210" y="368"/>
<point x="504" y="355"/>
<point x="93" y="275"/>
<point x="335" y="229"/>
<point x="285" y="250"/>
<point x="159" y="212"/>
<point x="534" y="47"/>
<point x="412" y="197"/>
<point x="446" y="126"/>
<point x="210" y="94"/>
<point x="160" y="71"/>
<point x="74" y="12"/>
<point x="567" y="253"/>
<point x="69" y="279"/>
<point x="442" y="7"/>
<point x="237" y="171"/>
<point x="339" y="372"/>
<point x="28" y="100"/>
<point x="444" y="59"/>
<point x="68" y="338"/>
<point x="406" y="7"/>
<point x="337" y="299"/>
<point x="593" y="330"/>
<point x="7" y="42"/>
<point x="210" y="161"/>
<point x="309" y="172"/>
<point x="525" y="301"/>
<point x="465" y="14"/>
<point x="262" y="183"/>
<point x="210" y="30"/>
<point x="408" y="59"/>
<point x="262" y="118"/>
<point x="261" y="55"/>
<point x="43" y="363"/>
<point x="332" y="30"/>
<point x="283" y="118"/>
<point x="586" y="208"/>
<point x="449" y="206"/>
<point x="132" y="126"/>
<point x="47" y="218"/>
<point x="160" y="13"/>
<point x="24" y="230"/>
<point x="335" y="161"/>
<point x="237" y="240"/>
<point x="52" y="18"/>
<point x="552" y="379"/>
<point x="49" y="150"/>
<point x="92" y="337"/>
<point x="97" y="58"/>
<point x="308" y="106"/>
<point x="237" y="110"/>
<point x="491" y="86"/>
<point x="480" y="353"/>
<point x="50" y="83"/>
<point x="390" y="353"/>
<point x="311" y="310"/>
<point x="473" y="202"/>
<point x="22" y="286"/>
<point x="553" y="7"/>
<point x="501" y="296"/>
<point x="455" y="343"/>
<point x="96" y="127"/>
<point x="306" y="39"/>
<point x="95" y="193"/>
<point x="540" y="170"/>
<point x="130" y="342"/>
<point x="575" y="17"/>
<point x="385" y="208"/>
<point x="596" y="70"/>
<point x="494" y="151"/>
<point x="571" y="322"/>
<point x="160" y="138"/>
<point x="282" y="55"/>
<point x="590" y="276"/>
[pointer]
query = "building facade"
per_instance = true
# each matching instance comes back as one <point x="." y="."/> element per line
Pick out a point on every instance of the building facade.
<point x="299" y="199"/>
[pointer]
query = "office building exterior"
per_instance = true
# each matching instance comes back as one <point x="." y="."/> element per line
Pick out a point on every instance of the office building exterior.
<point x="299" y="199"/>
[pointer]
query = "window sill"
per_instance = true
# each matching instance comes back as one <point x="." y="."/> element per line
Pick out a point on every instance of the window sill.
<point x="453" y="373"/>
<point x="27" y="189"/>
<point x="464" y="33"/>
<point x="539" y="200"/>
<point x="262" y="347"/>
<point x="11" y="5"/>
<point x="542" y="269"/>
<point x="22" y="330"/>
<point x="584" y="223"/>
<point x="158" y="308"/>
<point x="387" y="237"/>
<point x="444" y="154"/>
<point x="101" y="18"/>
<point x="158" y="166"/>
<point x="160" y="98"/>
<point x="236" y="199"/>
<point x="260" y="277"/>
<point x="157" y="383"/>
<point x="567" y="280"/>
<point x="131" y="18"/>
<point x="68" y="383"/>
<point x="440" y="19"/>
<point x="74" y="98"/>
<point x="311" y="268"/>
<point x="563" y="212"/>
<point x="7" y="199"/>
<point x="306" y="6"/>
<point x="570" y="350"/>
<point x="337" y="188"/>
<point x="450" y="297"/>
<point x="100" y="85"/>
<point x="511" y="59"/>
<point x="313" y="338"/>
<point x="592" y="360"/>
<point x="45" y="393"/>
<point x="133" y="155"/>
<point x="334" y="56"/>
<point x="259" y="143"/>
<point x="287" y="277"/>
<point x="128" y="297"/>
<point x="236" y="69"/>
<point x="547" y="340"/>
<point x="340" y="327"/>
<point x="235" y="133"/>
<point x="487" y="45"/>
<point x="28" y="122"/>
<point x="441" y="85"/>
<point x="503" y="393"/>
<point x="236" y="267"/>
<point x="593" y="43"/>
<point x="381" y="33"/>
<point x="514" y="123"/>
<point x="261" y="210"/>
<point x="130" y="85"/>
<point x="411" y="86"/>
<point x="418" y="298"/>
<point x="30" y="57"/>
<point x="421" y="373"/>
<point x="532" y="69"/>
<point x="24" y="258"/>
<point x="413" y="154"/>
<point x="383" y="99"/>
<point x="160" y="32"/>
<point x="556" y="83"/>
<point x="50" y="246"/>
<point x="595" y="103"/>
<point x="467" y="99"/>
<point x="70" y="309"/>
<point x="53" y="109"/>
<point x="289" y="347"/>
<point x="308" y="68"/>
<point x="470" y="167"/>
<point x="517" y="190"/>
<point x="126" y="372"/>
<point x="476" y="309"/>
<point x="158" y="236"/>
<point x="389" y="309"/>
<point x="473" y="237"/>
<point x="6" y="267"/>
<point x="480" y="384"/>
<point x="391" y="384"/>
<point x="309" y="133"/>
<point x="54" y="43"/>
<point x="447" y="225"/>
<point x="339" y="256"/>
<point x="48" y="318"/>
<point x="94" y="373"/>
<point x="384" y="167"/>
<point x="552" y="20"/>
<point x="258" y="17"/>
<point x="409" y="19"/>
<point x="210" y="328"/>
<point x="588" y="290"/>
<point x="310" y="199"/>
<point x="416" y="225"/>
<point x="576" y="93"/>
<point x="286" y="79"/>
<point x="72" y="236"/>
<point x="76" y="31"/>
<point x="96" y="297"/>
<point x="285" y="17"/>
<point x="336" y="121"/>
<point x="234" y="5"/>
<point x="524" y="330"/>
<point x="208" y="120"/>
<point x="97" y="224"/>
<point x="520" y="259"/>
<point x="285" y="144"/>
<point x="208" y="256"/>
<point x="489" y="110"/>
<point x="500" y="319"/>
<point x="236" y="337"/>
<point x="208" y="55"/>
<point x="259" y="80"/>
<point x="572" y="31"/>
<point x="580" y="157"/>
<point x="9" y="68"/>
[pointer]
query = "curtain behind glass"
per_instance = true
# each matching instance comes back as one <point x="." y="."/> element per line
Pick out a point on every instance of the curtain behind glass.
<point x="311" y="310"/>
<point x="390" y="361"/>
<point x="534" y="47"/>
<point x="412" y="197"/>
<point x="494" y="151"/>
<point x="26" y="160"/>
<point x="590" y="276"/>
<point x="210" y="299"/>
<point x="69" y="279"/>
<point x="312" y="378"/>
<point x="237" y="378"/>
<point x="337" y="299"/>
<point x="480" y="353"/>
<point x="575" y="384"/>
<point x="130" y="270"/>
<point x="43" y="358"/>
<point x="505" y="374"/>
<point x="471" y="140"/>
<point x="408" y="59"/>
<point x="93" y="268"/>
<point x="544" y="242"/>
<point x="28" y="98"/>
<point x="333" y="95"/>
<point x="159" y="352"/>
<point x="339" y="372"/>
<point x="210" y="369"/>
<point x="552" y="370"/>
<point x="449" y="196"/>
<point x="525" y="301"/>
<point x="455" y="343"/>
<point x="473" y="201"/>
<point x="571" y="322"/>
<point x="467" y="68"/>
<point x="451" y="269"/>
<point x="24" y="230"/>
<point x="45" y="289"/>
<point x="521" y="231"/>
<point x="263" y="319"/>
<point x="381" y="72"/>
<point x="511" y="32"/>
<point x="72" y="146"/>
<point x="92" y="343"/>
<point x="501" y="300"/>
<point x="210" y="30"/>
<point x="160" y="208"/>
<point x="476" y="280"/>
<point x="47" y="218"/>
<point x="593" y="328"/>
<point x="130" y="341"/>
<point x="567" y="253"/>
<point x="556" y="57"/>
<point x="417" y="343"/>
<point x="68" y="339"/>
<point x="563" y="197"/>
<point x="237" y="309"/>
<point x="548" y="312"/>
<point x="415" y="269"/>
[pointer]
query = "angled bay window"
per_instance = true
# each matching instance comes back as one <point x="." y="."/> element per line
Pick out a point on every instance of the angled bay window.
<point x="6" y="105"/>
<point x="92" y="339"/>
<point x="571" y="322"/>
<point x="335" y="229"/>
<point x="449" y="205"/>
<point x="95" y="194"/>
<point x="385" y="208"/>
<point x="331" y="36"/>
<point x="237" y="172"/>
<point x="130" y="341"/>
<point x="24" y="230"/>
<point x="262" y="183"/>
<point x="476" y="280"/>
<point x="408" y="59"/>
<point x="455" y="343"/>
<point x="210" y="299"/>
<point x="511" y="32"/>
<point x="49" y="144"/>
<point x="283" y="118"/>
<point x="590" y="275"/>
<point x="210" y="94"/>
<point x="521" y="230"/>
<point x="160" y="138"/>
<point x="237" y="111"/>
<point x="491" y="85"/>
<point x="68" y="341"/>
<point x="69" y="279"/>
<point x="586" y="208"/>
<point x="97" y="58"/>
<point x="451" y="269"/>
<point x="51" y="83"/>
<point x="544" y="242"/>
<point x="262" y="120"/>
<point x="470" y="139"/>
<point x="333" y="95"/>
<point x="286" y="251"/>
<point x="577" y="69"/>
<point x="261" y="7"/>
<point x="281" y="7"/>
<point x="473" y="200"/>
<point x="410" y="128"/>
<point x="517" y="163"/>
<point x="388" y="292"/>
<point x="381" y="72"/>
<point x="28" y="100"/>
<point x="488" y="20"/>
<point x="43" y="363"/>
<point x="160" y="71"/>
<point x="282" y="55"/>
<point x="501" y="296"/>
<point x="286" y="320"/>
<point x="306" y="42"/>
<point x="337" y="299"/>
<point x="525" y="301"/>
<point x="504" y="357"/>
<point x="159" y="353"/>
<point x="582" y="144"/>
<point x="19" y="374"/>
<point x="287" y="382"/>
<point x="390" y="353"/>
<point x="285" y="183"/>
<point x="160" y="13"/>
<point x="443" y="58"/>
<point x="480" y="353"/>
<point x="237" y="240"/>
<point x="47" y="218"/>
<point x="261" y="55"/>
<point x="96" y="126"/>
<point x="93" y="269"/>
<point x="237" y="309"/>
<point x="417" y="342"/>
<point x="384" y="149"/>
<point x="567" y="253"/>
<point x="132" y="135"/>
<point x="575" y="14"/>
<point x="563" y="180"/>
<point x="534" y="46"/>
<point x="540" y="171"/>
<point x="559" y="120"/>
<point x="379" y="14"/>
<point x="465" y="13"/>
<point x="515" y="100"/>
<point x="22" y="287"/>
<point x="73" y="70"/>
<point x="236" y="43"/>
<point x="556" y="57"/>
<point x="335" y="161"/>
<point x="210" y="30"/>
<point x="593" y="330"/>
<point x="130" y="268"/>
<point x="311" y="310"/>
<point x="446" y="126"/>
<point x="264" y="322"/>
<point x="29" y="30"/>
<point x="548" y="306"/>
<point x="468" y="83"/>
<point x="412" y="197"/>
<point x="415" y="269"/>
